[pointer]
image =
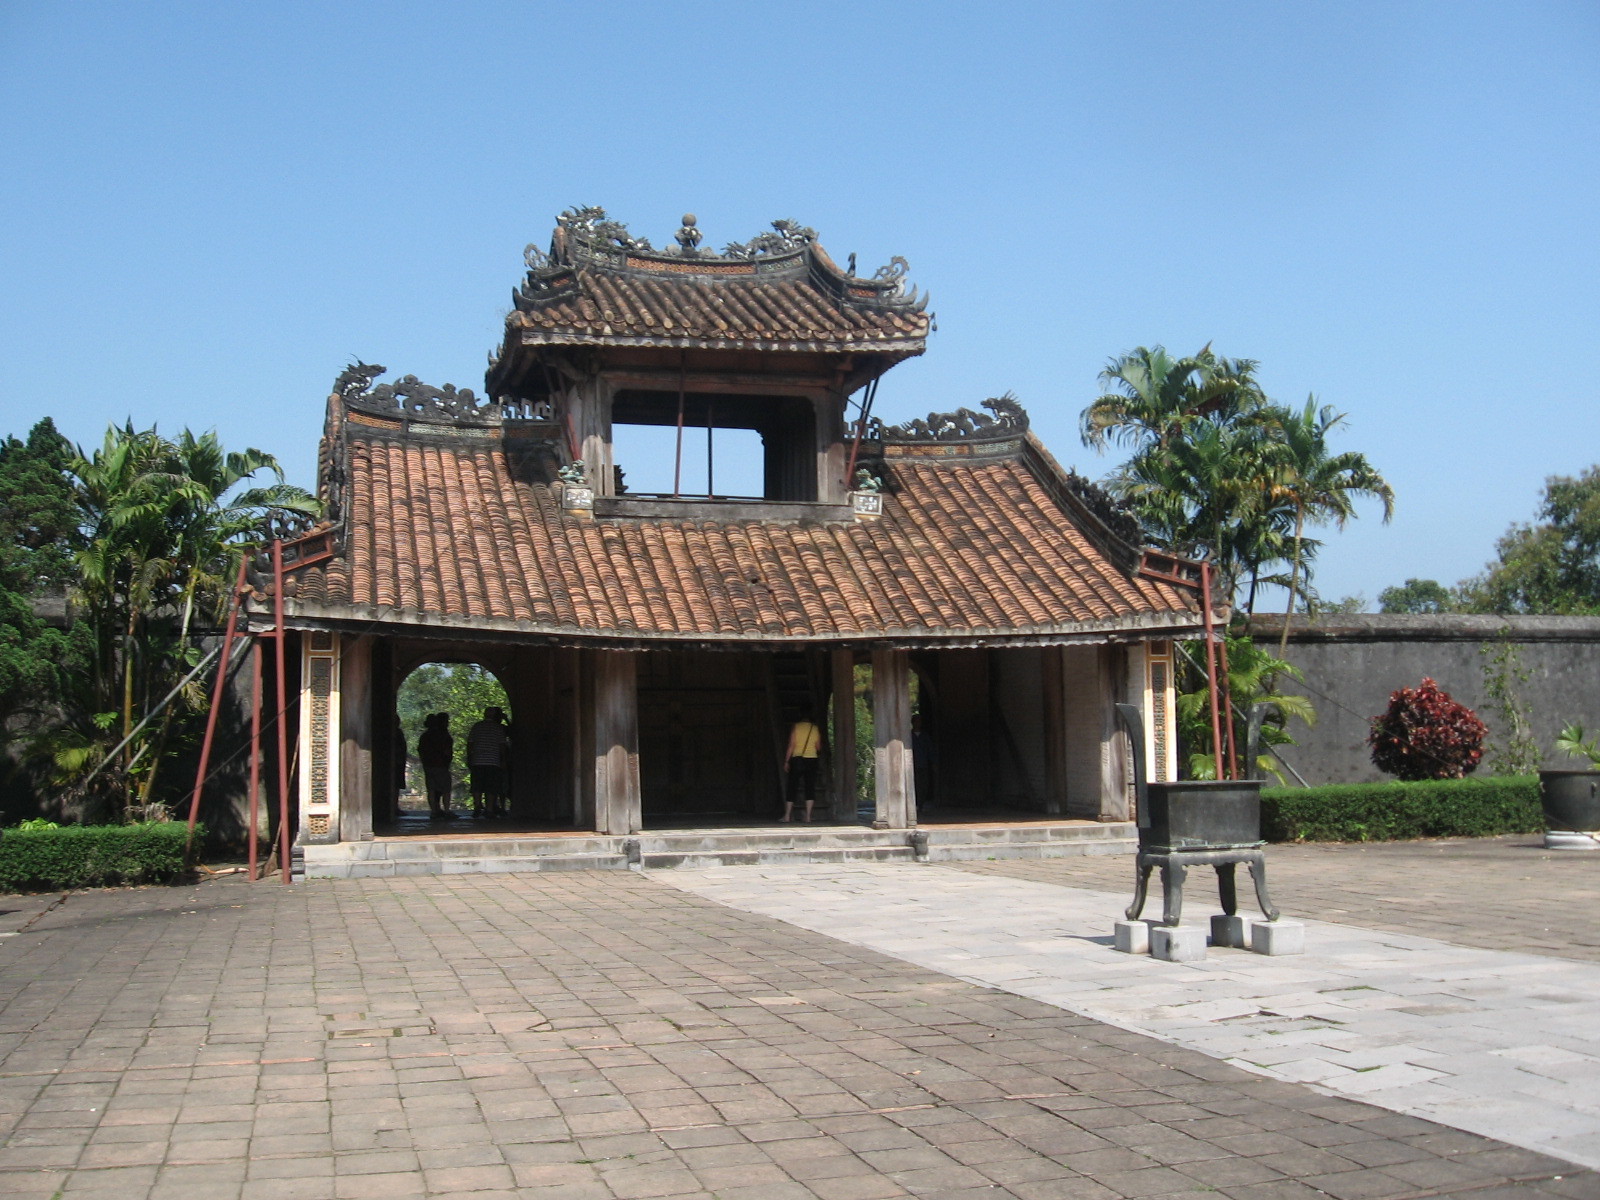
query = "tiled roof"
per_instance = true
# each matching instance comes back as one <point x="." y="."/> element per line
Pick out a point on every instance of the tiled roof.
<point x="600" y="286"/>
<point x="592" y="306"/>
<point x="978" y="552"/>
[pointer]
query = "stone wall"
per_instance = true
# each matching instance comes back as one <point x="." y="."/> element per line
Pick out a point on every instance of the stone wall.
<point x="1353" y="663"/>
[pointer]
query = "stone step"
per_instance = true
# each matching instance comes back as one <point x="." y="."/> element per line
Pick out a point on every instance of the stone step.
<point x="800" y="836"/>
<point x="689" y="848"/>
<point x="1084" y="831"/>
<point x="513" y="847"/>
<point x="377" y="868"/>
<point x="1055" y="848"/>
<point x="775" y="857"/>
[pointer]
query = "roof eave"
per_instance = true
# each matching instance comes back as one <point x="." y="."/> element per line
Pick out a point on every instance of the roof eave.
<point x="339" y="617"/>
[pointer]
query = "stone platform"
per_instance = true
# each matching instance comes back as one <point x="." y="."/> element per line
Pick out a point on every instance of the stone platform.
<point x="478" y="852"/>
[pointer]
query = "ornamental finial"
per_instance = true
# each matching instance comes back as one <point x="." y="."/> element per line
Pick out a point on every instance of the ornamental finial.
<point x="688" y="237"/>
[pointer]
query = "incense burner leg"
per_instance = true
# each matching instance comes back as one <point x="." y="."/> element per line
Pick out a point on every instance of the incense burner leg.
<point x="1258" y="873"/>
<point x="1141" y="887"/>
<point x="1173" y="874"/>
<point x="1227" y="889"/>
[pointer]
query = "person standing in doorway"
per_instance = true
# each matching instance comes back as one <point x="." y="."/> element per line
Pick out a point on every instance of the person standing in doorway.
<point x="800" y="766"/>
<point x="435" y="748"/>
<point x="488" y="747"/>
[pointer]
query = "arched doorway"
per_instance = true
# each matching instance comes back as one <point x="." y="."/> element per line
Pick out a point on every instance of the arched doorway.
<point x="463" y="692"/>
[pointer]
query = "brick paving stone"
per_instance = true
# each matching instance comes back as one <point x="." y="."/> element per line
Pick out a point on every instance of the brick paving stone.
<point x="606" y="1036"/>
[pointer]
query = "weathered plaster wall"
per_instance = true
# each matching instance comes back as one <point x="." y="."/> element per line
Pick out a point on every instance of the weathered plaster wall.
<point x="1353" y="663"/>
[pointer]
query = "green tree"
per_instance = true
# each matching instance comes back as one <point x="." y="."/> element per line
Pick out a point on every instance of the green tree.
<point x="162" y="532"/>
<point x="1553" y="565"/>
<point x="1417" y="596"/>
<point x="1204" y="494"/>
<point x="1152" y="397"/>
<point x="38" y="518"/>
<point x="39" y="664"/>
<point x="1315" y="484"/>
<point x="1254" y="678"/>
<point x="1220" y="473"/>
<point x="1344" y="606"/>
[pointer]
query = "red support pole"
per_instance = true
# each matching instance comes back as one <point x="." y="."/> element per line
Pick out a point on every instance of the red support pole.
<point x="255" y="754"/>
<point x="216" y="703"/>
<point x="1227" y="709"/>
<point x="283" y="711"/>
<point x="1211" y="663"/>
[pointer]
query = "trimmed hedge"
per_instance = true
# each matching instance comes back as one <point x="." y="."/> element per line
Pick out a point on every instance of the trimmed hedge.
<point x="1381" y="812"/>
<point x="80" y="856"/>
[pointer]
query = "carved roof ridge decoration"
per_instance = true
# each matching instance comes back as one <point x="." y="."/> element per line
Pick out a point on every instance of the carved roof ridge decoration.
<point x="1010" y="421"/>
<point x="587" y="238"/>
<point x="1114" y="514"/>
<point x="409" y="398"/>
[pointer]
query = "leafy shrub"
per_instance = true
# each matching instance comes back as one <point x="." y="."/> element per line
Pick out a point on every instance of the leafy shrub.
<point x="78" y="856"/>
<point x="1376" y="812"/>
<point x="1426" y="735"/>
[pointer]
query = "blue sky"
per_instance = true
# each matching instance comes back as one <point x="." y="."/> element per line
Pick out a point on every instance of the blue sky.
<point x="206" y="210"/>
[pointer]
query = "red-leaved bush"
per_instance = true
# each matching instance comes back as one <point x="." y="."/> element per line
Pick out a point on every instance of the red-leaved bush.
<point x="1426" y="735"/>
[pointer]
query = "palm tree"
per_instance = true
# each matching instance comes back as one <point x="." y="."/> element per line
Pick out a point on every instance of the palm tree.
<point x="1204" y="494"/>
<point x="1316" y="485"/>
<point x="1153" y="396"/>
<point x="211" y="531"/>
<point x="1253" y="680"/>
<point x="163" y="531"/>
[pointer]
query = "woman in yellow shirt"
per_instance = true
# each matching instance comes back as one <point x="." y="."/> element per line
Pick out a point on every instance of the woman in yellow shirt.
<point x="800" y="766"/>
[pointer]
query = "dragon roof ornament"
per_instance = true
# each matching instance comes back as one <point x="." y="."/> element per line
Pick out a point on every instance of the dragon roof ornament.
<point x="1009" y="420"/>
<point x="409" y="397"/>
<point x="587" y="236"/>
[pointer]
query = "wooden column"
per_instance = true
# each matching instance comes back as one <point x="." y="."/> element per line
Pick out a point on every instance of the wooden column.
<point x="843" y="665"/>
<point x="580" y="746"/>
<point x="891" y="727"/>
<point x="1115" y="762"/>
<point x="617" y="807"/>
<point x="1085" y="730"/>
<point x="590" y="403"/>
<point x="355" y="739"/>
<point x="1053" y="677"/>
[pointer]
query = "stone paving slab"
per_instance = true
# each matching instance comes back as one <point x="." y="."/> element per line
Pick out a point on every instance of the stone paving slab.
<point x="603" y="1035"/>
<point x="1486" y="1041"/>
<point x="1506" y="893"/>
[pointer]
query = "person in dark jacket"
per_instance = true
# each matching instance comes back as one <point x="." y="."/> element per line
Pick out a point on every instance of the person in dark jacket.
<point x="435" y="748"/>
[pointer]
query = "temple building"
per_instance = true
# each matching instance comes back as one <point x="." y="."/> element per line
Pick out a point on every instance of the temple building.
<point x="656" y="646"/>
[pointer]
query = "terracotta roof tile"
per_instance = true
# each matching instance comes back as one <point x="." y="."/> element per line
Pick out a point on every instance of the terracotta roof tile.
<point x="594" y="305"/>
<point x="969" y="550"/>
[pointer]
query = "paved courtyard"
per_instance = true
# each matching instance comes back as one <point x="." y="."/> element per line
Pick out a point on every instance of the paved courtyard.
<point x="1506" y="893"/>
<point x="611" y="1035"/>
